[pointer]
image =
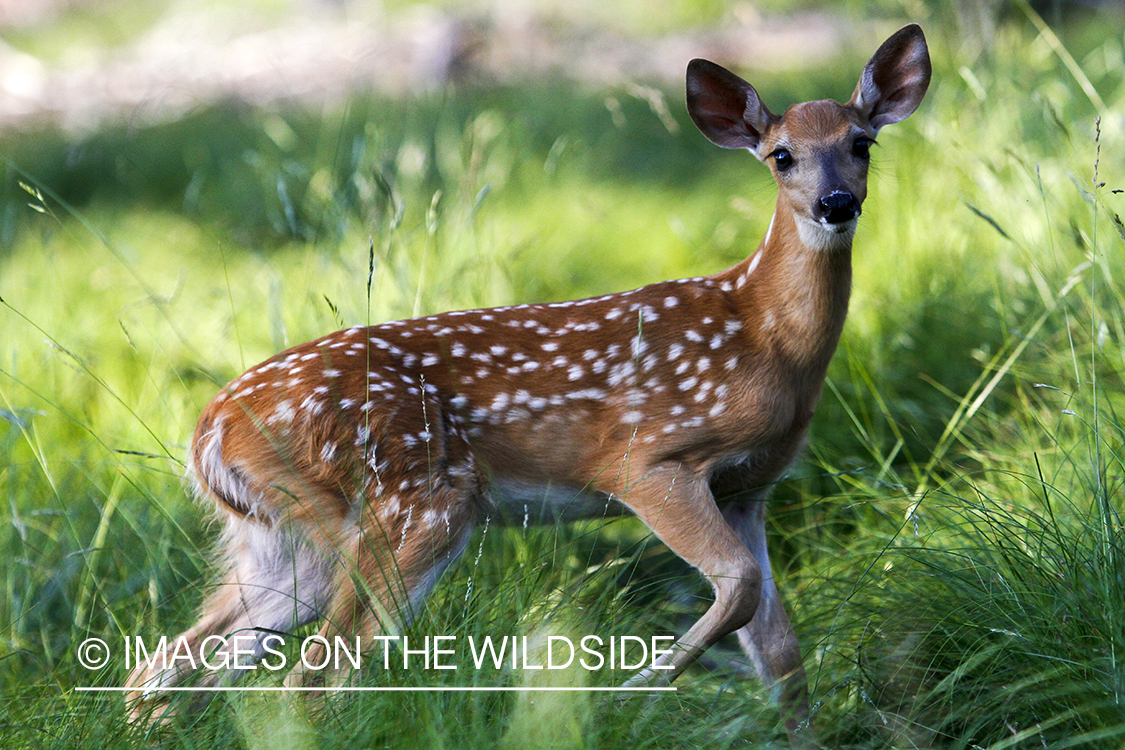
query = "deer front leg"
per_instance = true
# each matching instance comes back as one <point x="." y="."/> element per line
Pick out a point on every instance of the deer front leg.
<point x="768" y="639"/>
<point x="679" y="508"/>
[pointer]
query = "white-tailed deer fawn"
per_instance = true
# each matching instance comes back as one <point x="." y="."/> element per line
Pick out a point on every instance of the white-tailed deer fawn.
<point x="349" y="471"/>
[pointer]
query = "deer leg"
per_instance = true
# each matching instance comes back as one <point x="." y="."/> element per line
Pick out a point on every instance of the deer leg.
<point x="392" y="568"/>
<point x="274" y="583"/>
<point x="768" y="639"/>
<point x="681" y="511"/>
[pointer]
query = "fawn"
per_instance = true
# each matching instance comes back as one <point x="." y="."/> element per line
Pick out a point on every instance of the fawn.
<point x="349" y="471"/>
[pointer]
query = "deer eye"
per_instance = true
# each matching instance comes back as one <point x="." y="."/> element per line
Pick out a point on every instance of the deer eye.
<point x="782" y="158"/>
<point x="862" y="148"/>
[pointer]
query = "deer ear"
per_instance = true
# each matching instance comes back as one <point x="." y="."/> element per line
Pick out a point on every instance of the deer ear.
<point x="895" y="79"/>
<point x="724" y="107"/>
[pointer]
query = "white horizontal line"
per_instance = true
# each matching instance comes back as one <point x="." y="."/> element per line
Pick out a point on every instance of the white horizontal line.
<point x="347" y="689"/>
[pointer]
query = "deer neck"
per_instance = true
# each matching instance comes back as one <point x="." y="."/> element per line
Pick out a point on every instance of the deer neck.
<point x="793" y="291"/>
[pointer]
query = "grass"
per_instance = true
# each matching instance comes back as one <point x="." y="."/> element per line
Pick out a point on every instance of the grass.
<point x="951" y="548"/>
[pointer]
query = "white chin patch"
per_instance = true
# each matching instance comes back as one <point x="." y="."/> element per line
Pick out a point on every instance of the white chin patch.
<point x="820" y="235"/>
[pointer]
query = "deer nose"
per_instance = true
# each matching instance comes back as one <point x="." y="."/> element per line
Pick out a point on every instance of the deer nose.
<point x="838" y="207"/>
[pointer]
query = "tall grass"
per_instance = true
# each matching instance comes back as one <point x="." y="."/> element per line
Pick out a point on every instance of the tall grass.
<point x="980" y="606"/>
<point x="951" y="548"/>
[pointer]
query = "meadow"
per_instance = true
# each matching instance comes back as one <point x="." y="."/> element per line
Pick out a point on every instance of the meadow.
<point x="951" y="546"/>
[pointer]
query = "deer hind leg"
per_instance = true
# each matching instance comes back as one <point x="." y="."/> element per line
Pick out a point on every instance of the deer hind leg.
<point x="274" y="581"/>
<point x="681" y="511"/>
<point x="392" y="566"/>
<point x="417" y="514"/>
<point x="768" y="639"/>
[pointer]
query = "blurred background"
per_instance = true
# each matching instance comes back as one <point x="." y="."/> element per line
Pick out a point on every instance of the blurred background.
<point x="77" y="63"/>
<point x="187" y="188"/>
<point x="150" y="100"/>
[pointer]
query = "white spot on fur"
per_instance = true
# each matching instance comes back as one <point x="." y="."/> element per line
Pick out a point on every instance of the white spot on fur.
<point x="391" y="508"/>
<point x="754" y="262"/>
<point x="619" y="372"/>
<point x="283" y="412"/>
<point x="312" y="405"/>
<point x="588" y="393"/>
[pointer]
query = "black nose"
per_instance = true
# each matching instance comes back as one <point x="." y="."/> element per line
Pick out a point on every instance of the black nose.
<point x="838" y="207"/>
